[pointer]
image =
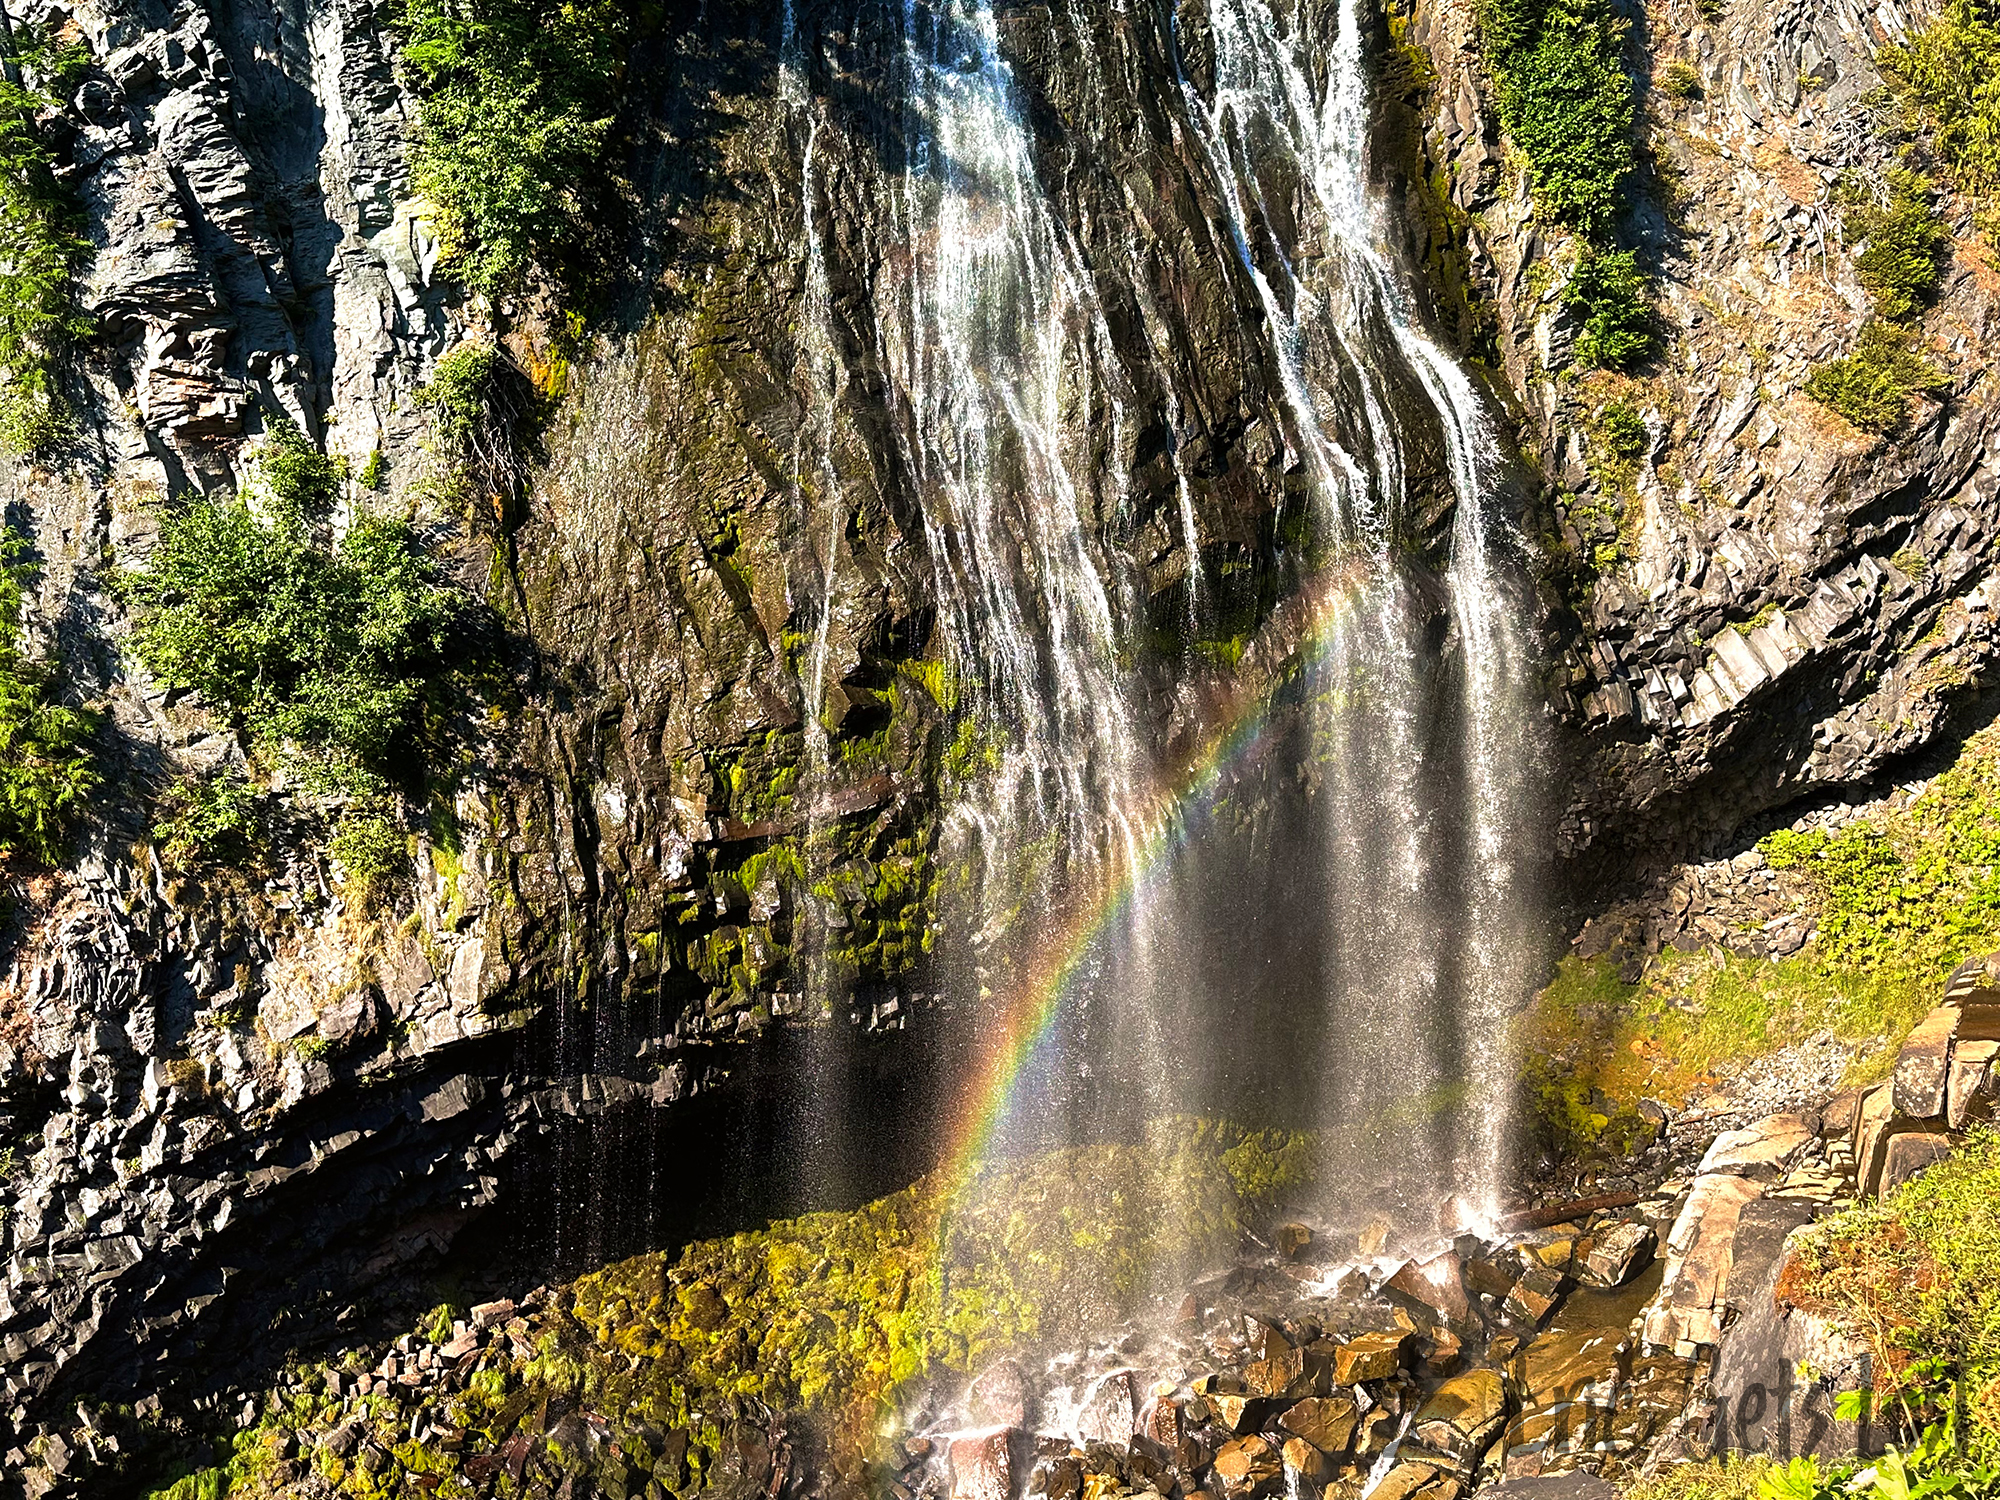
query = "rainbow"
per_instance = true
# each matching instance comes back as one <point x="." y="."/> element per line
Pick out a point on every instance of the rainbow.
<point x="1302" y="630"/>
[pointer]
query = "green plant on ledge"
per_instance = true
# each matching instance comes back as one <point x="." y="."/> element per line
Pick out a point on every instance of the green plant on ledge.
<point x="1566" y="101"/>
<point x="1871" y="387"/>
<point x="516" y="100"/>
<point x="1904" y="240"/>
<point x="323" y="658"/>
<point x="1948" y="75"/>
<point x="1606" y="293"/>
<point x="39" y="317"/>
<point x="46" y="765"/>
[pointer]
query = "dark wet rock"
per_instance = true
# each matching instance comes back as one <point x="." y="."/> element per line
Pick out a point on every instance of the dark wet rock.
<point x="1436" y="1283"/>
<point x="982" y="1466"/>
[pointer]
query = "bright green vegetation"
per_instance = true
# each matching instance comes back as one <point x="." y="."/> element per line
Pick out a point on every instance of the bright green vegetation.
<point x="459" y="393"/>
<point x="1917" y="1275"/>
<point x="1948" y="73"/>
<point x="322" y="658"/>
<point x="1934" y="1469"/>
<point x="208" y="817"/>
<point x="829" y="1316"/>
<point x="1678" y="80"/>
<point x="1566" y="101"/>
<point x="1622" y="429"/>
<point x="40" y="228"/>
<point x="1607" y="294"/>
<point x="1872" y="387"/>
<point x="516" y="103"/>
<point x="1901" y="896"/>
<point x="1898" y="263"/>
<point x="832" y="1312"/>
<point x="46" y="767"/>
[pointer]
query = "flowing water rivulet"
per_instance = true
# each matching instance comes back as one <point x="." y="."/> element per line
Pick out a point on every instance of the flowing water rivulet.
<point x="1095" y="862"/>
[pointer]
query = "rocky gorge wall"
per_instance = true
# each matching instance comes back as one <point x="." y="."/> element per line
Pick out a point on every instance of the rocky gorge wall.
<point x="237" y="1100"/>
<point x="1780" y="603"/>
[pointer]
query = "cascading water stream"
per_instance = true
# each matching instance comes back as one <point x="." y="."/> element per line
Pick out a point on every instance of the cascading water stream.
<point x="1407" y="1012"/>
<point x="993" y="338"/>
<point x="1012" y="414"/>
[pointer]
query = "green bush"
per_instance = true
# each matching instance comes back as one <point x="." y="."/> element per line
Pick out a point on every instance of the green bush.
<point x="516" y="101"/>
<point x="212" y="817"/>
<point x="1606" y="294"/>
<point x="1679" y="80"/>
<point x="369" y="846"/>
<point x="1899" y="261"/>
<point x="1917" y="1275"/>
<point x="46" y="767"/>
<point x="1566" y="100"/>
<point x="1872" y="387"/>
<point x="39" y="316"/>
<point x="1622" y="429"/>
<point x="323" y="657"/>
<point x="1949" y="73"/>
<point x="1920" y="890"/>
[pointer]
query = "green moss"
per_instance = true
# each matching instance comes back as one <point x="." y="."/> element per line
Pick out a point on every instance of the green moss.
<point x="831" y="1314"/>
<point x="1900" y="896"/>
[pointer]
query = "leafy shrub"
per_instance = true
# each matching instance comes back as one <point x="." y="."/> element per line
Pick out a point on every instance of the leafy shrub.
<point x="213" y="816"/>
<point x="46" y="767"/>
<point x="1872" y="387"/>
<point x="484" y="414"/>
<point x="1949" y="72"/>
<point x="322" y="656"/>
<point x="1917" y="1275"/>
<point x="369" y="846"/>
<point x="1899" y="262"/>
<point x="1607" y="294"/>
<point x="1679" y="80"/>
<point x="1622" y="429"/>
<point x="1566" y="100"/>
<point x="39" y="316"/>
<point x="516" y="101"/>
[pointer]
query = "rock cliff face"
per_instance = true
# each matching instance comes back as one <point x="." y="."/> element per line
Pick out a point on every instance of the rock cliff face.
<point x="1784" y="603"/>
<point x="237" y="1101"/>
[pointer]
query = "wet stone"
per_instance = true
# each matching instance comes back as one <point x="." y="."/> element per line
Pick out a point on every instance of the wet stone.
<point x="1327" y="1422"/>
<point x="1249" y="1466"/>
<point x="1368" y="1356"/>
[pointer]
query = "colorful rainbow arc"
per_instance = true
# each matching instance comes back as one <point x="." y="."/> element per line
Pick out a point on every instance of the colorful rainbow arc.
<point x="1029" y="1017"/>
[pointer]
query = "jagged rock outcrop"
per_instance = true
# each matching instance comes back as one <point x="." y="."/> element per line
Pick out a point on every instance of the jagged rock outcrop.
<point x="223" y="1092"/>
<point x="1782" y="603"/>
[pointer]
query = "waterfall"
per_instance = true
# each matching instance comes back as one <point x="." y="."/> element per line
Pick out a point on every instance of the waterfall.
<point x="1014" y="418"/>
<point x="1427" y="956"/>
